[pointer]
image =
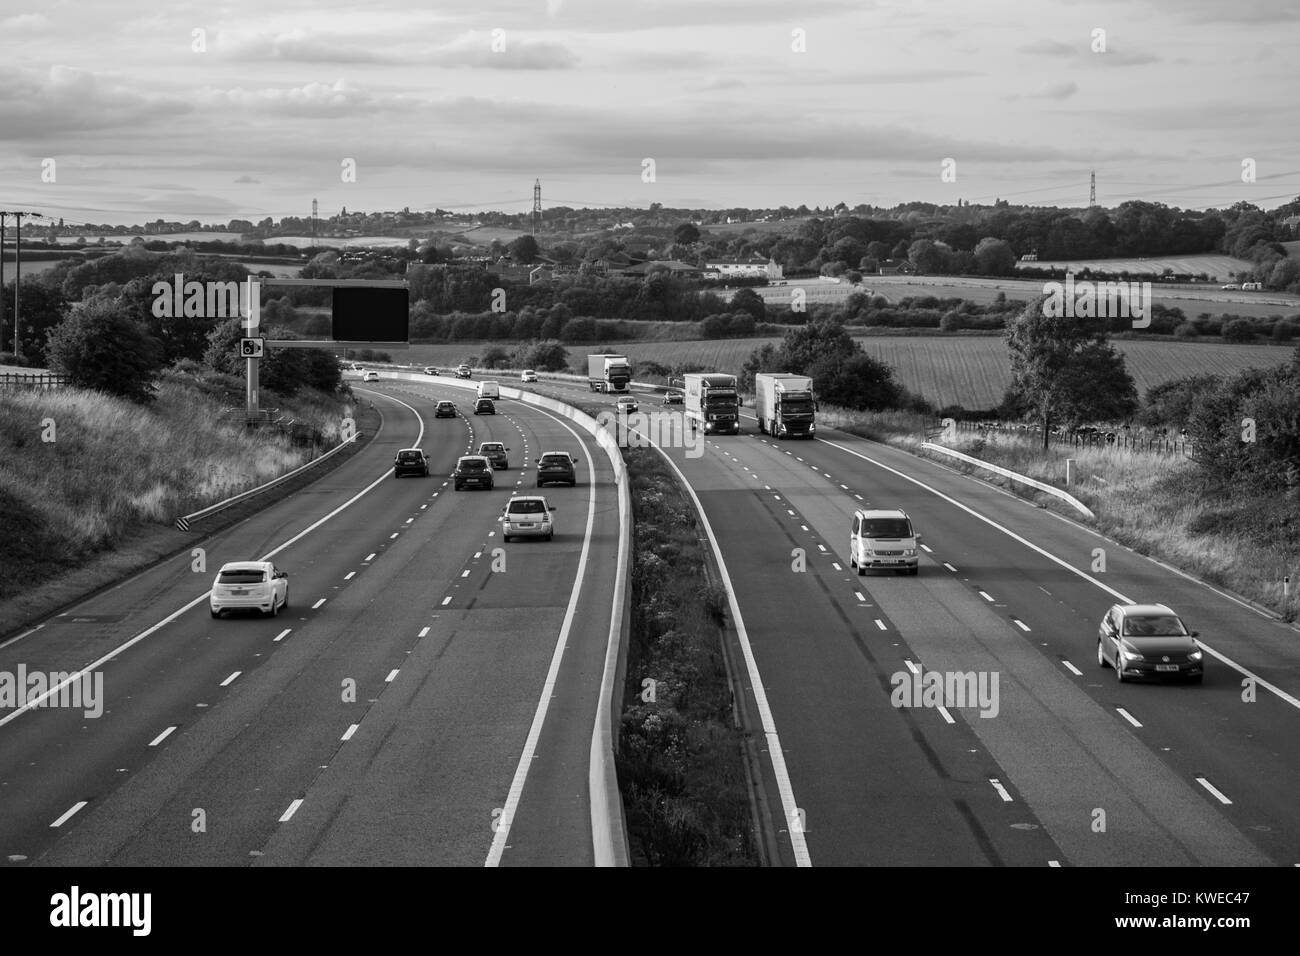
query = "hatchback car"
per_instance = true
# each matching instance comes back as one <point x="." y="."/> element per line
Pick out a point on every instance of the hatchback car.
<point x="495" y="452"/>
<point x="473" y="471"/>
<point x="529" y="516"/>
<point x="1148" y="640"/>
<point x="527" y="375"/>
<point x="626" y="404"/>
<point x="249" y="586"/>
<point x="445" y="409"/>
<point x="883" y="540"/>
<point x="411" y="461"/>
<point x="463" y="371"/>
<point x="674" y="398"/>
<point x="369" y="376"/>
<point x="430" y="370"/>
<point x="556" y="467"/>
<point x="485" y="406"/>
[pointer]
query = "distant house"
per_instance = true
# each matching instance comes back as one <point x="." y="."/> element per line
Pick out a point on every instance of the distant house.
<point x="896" y="267"/>
<point x="1292" y="223"/>
<point x="752" y="268"/>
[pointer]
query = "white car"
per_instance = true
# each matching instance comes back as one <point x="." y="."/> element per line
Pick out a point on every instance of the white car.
<point x="369" y="376"/>
<point x="528" y="375"/>
<point x="626" y="404"/>
<point x="528" y="516"/>
<point x="249" y="586"/>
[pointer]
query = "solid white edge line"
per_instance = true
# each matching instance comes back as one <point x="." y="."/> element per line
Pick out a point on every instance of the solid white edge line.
<point x="347" y="734"/>
<point x="392" y="676"/>
<point x="507" y="817"/>
<point x="1129" y="717"/>
<point x="1002" y="791"/>
<point x="231" y="679"/>
<point x="293" y="808"/>
<point x="1072" y="669"/>
<point x="798" y="843"/>
<point x="946" y="716"/>
<point x="282" y="635"/>
<point x="206" y="594"/>
<point x="1259" y="681"/>
<point x="318" y="604"/>
<point x="423" y="631"/>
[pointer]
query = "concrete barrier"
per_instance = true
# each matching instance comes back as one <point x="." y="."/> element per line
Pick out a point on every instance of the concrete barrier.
<point x="1007" y="473"/>
<point x="608" y="827"/>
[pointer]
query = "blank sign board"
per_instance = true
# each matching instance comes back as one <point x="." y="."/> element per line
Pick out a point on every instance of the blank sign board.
<point x="371" y="315"/>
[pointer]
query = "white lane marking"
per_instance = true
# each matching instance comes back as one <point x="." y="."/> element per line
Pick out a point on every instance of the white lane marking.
<point x="927" y="549"/>
<point x="911" y="667"/>
<point x="423" y="631"/>
<point x="845" y="487"/>
<point x="985" y="595"/>
<point x="68" y="815"/>
<point x="836" y="566"/>
<point x="1002" y="791"/>
<point x="1127" y="716"/>
<point x="318" y="604"/>
<point x="859" y="595"/>
<point x="477" y="555"/>
<point x="422" y="507"/>
<point x="767" y="487"/>
<point x="293" y="808"/>
<point x="859" y="497"/>
<point x="1053" y="862"/>
<point x="821" y="547"/>
<point x="409" y="520"/>
<point x="393" y="535"/>
<point x="464" y="574"/>
<point x="347" y="734"/>
<point x="1072" y="669"/>
<point x="162" y="736"/>
<point x="950" y="567"/>
<point x="282" y="635"/>
<point x="788" y="511"/>
<point x="1214" y="790"/>
<point x="446" y="601"/>
<point x="804" y="527"/>
<point x="231" y="679"/>
<point x="370" y="557"/>
<point x="392" y="675"/>
<point x="881" y="624"/>
<point x="946" y="716"/>
<point x="1020" y="624"/>
<point x="777" y="497"/>
<point x="553" y="672"/>
<point x="349" y="575"/>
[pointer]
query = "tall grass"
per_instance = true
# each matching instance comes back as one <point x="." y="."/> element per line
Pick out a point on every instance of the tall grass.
<point x="113" y="466"/>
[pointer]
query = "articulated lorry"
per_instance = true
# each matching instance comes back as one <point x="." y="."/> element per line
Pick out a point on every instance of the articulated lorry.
<point x="712" y="403"/>
<point x="608" y="373"/>
<point x="785" y="405"/>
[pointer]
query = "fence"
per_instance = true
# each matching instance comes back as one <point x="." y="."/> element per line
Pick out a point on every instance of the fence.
<point x="1130" y="440"/>
<point x="32" y="380"/>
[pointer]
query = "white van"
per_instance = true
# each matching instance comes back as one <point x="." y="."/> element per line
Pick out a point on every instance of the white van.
<point x="884" y="540"/>
<point x="489" y="390"/>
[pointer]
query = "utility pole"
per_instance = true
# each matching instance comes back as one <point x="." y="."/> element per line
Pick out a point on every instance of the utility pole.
<point x="537" y="205"/>
<point x="1092" y="192"/>
<point x="3" y="214"/>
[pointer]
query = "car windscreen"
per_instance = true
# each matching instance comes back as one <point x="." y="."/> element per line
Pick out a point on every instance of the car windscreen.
<point x="491" y="449"/>
<point x="242" y="577"/>
<point x="409" y="456"/>
<point x="887" y="528"/>
<point x="555" y="460"/>
<point x="471" y="464"/>
<point x="1164" y="625"/>
<point x="526" y="508"/>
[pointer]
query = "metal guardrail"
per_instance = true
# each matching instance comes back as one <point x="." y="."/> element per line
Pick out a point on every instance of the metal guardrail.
<point x="1008" y="473"/>
<point x="183" y="522"/>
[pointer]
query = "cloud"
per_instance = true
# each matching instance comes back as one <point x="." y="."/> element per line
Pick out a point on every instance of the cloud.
<point x="339" y="98"/>
<point x="66" y="100"/>
<point x="24" y="23"/>
<point x="1082" y="53"/>
<point x="297" y="46"/>
<point x="247" y="179"/>
<point x="481" y="50"/>
<point x="1057" y="91"/>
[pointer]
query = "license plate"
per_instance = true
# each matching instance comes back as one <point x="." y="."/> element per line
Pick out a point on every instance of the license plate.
<point x="240" y="591"/>
<point x="1166" y="667"/>
<point x="526" y="524"/>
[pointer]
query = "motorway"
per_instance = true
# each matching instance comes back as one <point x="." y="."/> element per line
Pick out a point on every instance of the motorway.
<point x="427" y="697"/>
<point x="1074" y="769"/>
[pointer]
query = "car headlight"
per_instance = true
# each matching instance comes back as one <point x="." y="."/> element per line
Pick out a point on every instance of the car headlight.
<point x="1130" y="655"/>
<point x="1194" y="656"/>
<point x="909" y="552"/>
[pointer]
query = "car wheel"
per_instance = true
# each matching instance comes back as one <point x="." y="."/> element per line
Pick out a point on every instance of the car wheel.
<point x="915" y="571"/>
<point x="573" y="483"/>
<point x="456" y="487"/>
<point x="215" y="614"/>
<point x="1119" y="670"/>
<point x="861" y="570"/>
<point x="1101" y="656"/>
<point x="505" y="538"/>
<point x="285" y="603"/>
<point x="551" y="536"/>
<point x="275" y="608"/>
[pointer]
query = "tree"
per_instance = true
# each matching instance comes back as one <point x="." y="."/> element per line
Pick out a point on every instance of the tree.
<point x="686" y="234"/>
<point x="747" y="300"/>
<point x="1239" y="331"/>
<point x="99" y="347"/>
<point x="548" y="357"/>
<point x="1066" y="372"/>
<point x="43" y="307"/>
<point x="993" y="257"/>
<point x="495" y="355"/>
<point x="525" y="250"/>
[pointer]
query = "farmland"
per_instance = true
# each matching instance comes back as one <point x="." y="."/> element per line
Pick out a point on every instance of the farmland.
<point x="972" y="371"/>
<point x="1220" y="266"/>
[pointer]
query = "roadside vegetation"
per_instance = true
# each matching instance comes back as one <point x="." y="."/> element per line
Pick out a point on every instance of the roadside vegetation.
<point x="680" y="760"/>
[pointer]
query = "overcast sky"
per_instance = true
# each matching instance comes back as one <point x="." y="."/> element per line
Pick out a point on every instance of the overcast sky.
<point x="142" y="126"/>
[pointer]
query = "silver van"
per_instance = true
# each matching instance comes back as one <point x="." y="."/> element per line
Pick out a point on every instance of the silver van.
<point x="884" y="541"/>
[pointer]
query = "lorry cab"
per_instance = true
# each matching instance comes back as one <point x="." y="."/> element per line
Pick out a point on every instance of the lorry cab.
<point x="884" y="541"/>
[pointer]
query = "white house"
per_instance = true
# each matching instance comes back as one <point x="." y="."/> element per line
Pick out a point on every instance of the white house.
<point x="753" y="267"/>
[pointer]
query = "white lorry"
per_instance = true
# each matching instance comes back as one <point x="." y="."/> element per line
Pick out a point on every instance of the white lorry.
<point x="785" y="405"/>
<point x="608" y="373"/>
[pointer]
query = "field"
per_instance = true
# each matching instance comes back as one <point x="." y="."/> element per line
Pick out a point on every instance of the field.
<point x="972" y="371"/>
<point x="1218" y="267"/>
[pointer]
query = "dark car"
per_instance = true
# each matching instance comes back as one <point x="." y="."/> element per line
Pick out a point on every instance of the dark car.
<point x="463" y="371"/>
<point x="445" y="410"/>
<point x="674" y="397"/>
<point x="1148" y="640"/>
<point x="411" y="461"/>
<point x="495" y="452"/>
<point x="473" y="471"/>
<point x="484" y="406"/>
<point x="556" y="467"/>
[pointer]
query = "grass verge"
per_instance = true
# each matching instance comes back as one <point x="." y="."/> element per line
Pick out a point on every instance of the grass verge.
<point x="680" y="762"/>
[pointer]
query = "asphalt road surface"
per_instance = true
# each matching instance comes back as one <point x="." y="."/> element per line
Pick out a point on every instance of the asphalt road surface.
<point x="412" y="705"/>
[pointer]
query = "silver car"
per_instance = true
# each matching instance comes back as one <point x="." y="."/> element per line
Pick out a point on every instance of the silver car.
<point x="528" y="516"/>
